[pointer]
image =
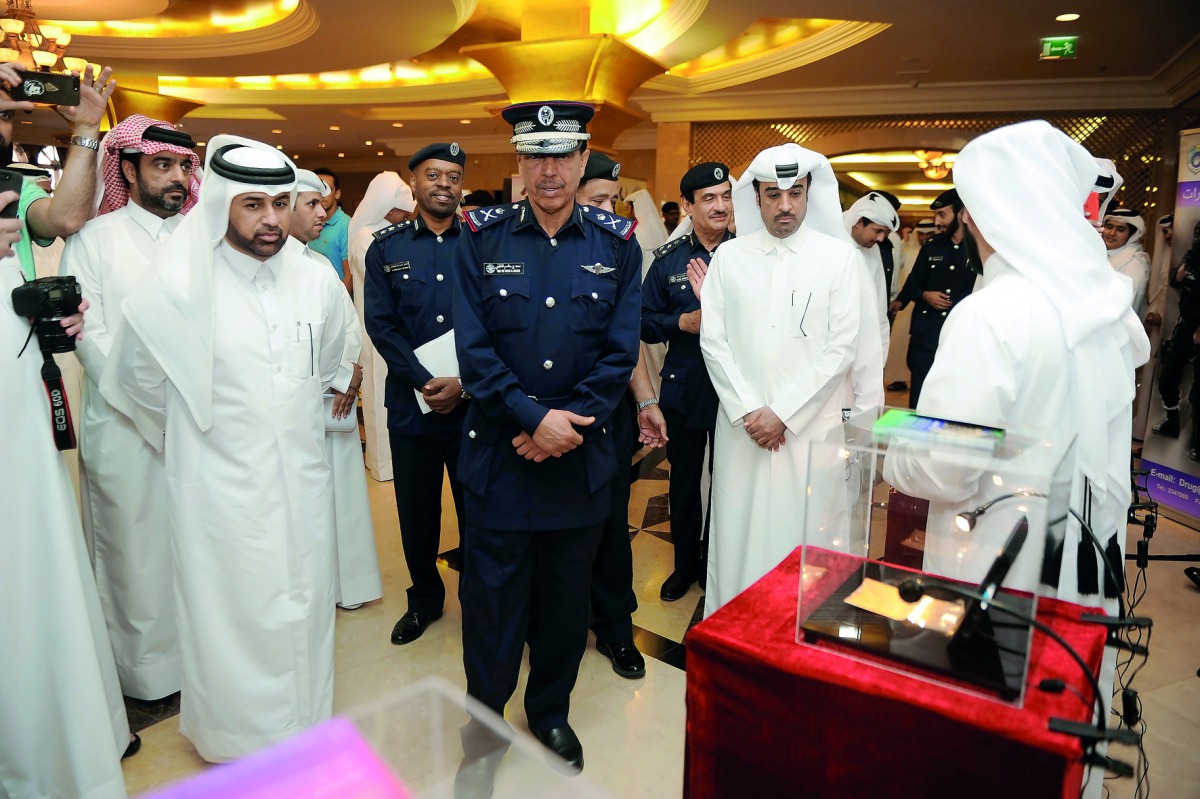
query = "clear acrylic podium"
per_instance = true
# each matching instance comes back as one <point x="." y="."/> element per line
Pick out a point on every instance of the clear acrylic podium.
<point x="917" y="534"/>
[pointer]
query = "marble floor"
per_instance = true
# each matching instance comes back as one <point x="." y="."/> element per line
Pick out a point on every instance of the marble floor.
<point x="633" y="730"/>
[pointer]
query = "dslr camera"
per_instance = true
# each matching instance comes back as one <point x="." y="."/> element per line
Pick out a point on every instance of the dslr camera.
<point x="47" y="301"/>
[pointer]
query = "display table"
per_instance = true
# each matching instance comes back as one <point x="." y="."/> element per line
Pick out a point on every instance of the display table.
<point x="769" y="717"/>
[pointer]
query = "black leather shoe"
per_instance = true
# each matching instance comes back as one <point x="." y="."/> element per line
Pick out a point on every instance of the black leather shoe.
<point x="1193" y="574"/>
<point x="676" y="586"/>
<point x="412" y="625"/>
<point x="563" y="742"/>
<point x="899" y="385"/>
<point x="135" y="746"/>
<point x="627" y="661"/>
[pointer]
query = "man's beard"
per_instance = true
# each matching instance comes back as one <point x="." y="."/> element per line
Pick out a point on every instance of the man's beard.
<point x="263" y="249"/>
<point x="159" y="199"/>
<point x="972" y="247"/>
<point x="952" y="227"/>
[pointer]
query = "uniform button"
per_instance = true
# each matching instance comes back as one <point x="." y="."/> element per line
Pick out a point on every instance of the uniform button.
<point x="595" y="296"/>
<point x="471" y="434"/>
<point x="439" y="239"/>
<point x="549" y="302"/>
<point x="503" y="292"/>
<point x="441" y="318"/>
<point x="406" y="277"/>
<point x="548" y="365"/>
<point x="553" y="242"/>
<point x="672" y="377"/>
<point x="943" y="313"/>
<point x="951" y="267"/>
<point x="441" y="278"/>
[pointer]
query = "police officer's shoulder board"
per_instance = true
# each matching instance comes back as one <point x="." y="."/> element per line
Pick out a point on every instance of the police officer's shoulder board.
<point x="618" y="226"/>
<point x="480" y="218"/>
<point x="669" y="246"/>
<point x="383" y="233"/>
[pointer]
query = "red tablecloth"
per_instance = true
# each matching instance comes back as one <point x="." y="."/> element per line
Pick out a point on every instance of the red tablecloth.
<point x="767" y="717"/>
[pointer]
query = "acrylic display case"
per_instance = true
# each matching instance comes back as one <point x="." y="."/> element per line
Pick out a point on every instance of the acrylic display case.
<point x="920" y="535"/>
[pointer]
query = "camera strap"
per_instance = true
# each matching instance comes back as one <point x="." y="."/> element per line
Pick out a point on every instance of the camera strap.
<point x="60" y="412"/>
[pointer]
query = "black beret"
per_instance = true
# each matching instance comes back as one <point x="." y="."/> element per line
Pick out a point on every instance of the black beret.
<point x="440" y="151"/>
<point x="600" y="167"/>
<point x="701" y="176"/>
<point x="480" y="198"/>
<point x="948" y="197"/>
<point x="891" y="198"/>
<point x="549" y="127"/>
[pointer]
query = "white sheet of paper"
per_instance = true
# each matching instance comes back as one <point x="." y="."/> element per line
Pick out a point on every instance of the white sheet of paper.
<point x="440" y="358"/>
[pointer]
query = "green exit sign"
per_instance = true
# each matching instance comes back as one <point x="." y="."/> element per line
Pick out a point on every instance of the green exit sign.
<point x="1056" y="47"/>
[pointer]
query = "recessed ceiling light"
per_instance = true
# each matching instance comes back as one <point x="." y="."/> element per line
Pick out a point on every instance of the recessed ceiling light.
<point x="379" y="153"/>
<point x="277" y="130"/>
<point x="367" y="142"/>
<point x="464" y="122"/>
<point x="397" y="124"/>
<point x="335" y="127"/>
<point x="341" y="155"/>
<point x="296" y="157"/>
<point x="1066" y="18"/>
<point x="322" y="144"/>
<point x="201" y="143"/>
<point x="278" y="146"/>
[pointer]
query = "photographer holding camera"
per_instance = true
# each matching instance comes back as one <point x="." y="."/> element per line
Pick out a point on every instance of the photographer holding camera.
<point x="63" y="730"/>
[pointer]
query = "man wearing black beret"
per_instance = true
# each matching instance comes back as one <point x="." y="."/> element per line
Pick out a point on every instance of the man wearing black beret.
<point x="941" y="277"/>
<point x="407" y="305"/>
<point x="671" y="313"/>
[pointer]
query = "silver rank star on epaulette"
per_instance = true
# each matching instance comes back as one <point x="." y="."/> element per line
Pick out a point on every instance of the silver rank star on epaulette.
<point x="670" y="245"/>
<point x="390" y="229"/>
<point x="617" y="225"/>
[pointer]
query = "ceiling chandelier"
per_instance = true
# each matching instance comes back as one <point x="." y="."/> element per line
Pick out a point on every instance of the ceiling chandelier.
<point x="930" y="162"/>
<point x="32" y="45"/>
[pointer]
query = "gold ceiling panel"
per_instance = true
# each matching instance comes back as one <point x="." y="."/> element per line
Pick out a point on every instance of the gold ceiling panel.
<point x="188" y="18"/>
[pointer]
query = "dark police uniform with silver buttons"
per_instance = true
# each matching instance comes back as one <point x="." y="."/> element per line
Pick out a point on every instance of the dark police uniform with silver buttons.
<point x="687" y="397"/>
<point x="540" y="323"/>
<point x="943" y="266"/>
<point x="407" y="299"/>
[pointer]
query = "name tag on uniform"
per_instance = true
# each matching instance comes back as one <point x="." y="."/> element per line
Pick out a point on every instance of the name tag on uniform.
<point x="504" y="269"/>
<point x="399" y="266"/>
<point x="598" y="269"/>
<point x="934" y="258"/>
<point x="680" y="278"/>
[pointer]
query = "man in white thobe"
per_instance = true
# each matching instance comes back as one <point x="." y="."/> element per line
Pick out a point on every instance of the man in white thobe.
<point x="150" y="181"/>
<point x="782" y="314"/>
<point x="62" y="721"/>
<point x="868" y="222"/>
<point x="388" y="201"/>
<point x="1048" y="344"/>
<point x="357" y="578"/>
<point x="222" y="359"/>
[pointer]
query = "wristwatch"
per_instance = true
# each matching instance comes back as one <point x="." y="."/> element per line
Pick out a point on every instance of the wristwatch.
<point x="464" y="394"/>
<point x="83" y="141"/>
<point x="646" y="403"/>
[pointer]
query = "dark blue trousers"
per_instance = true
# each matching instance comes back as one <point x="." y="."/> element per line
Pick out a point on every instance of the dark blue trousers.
<point x="520" y="585"/>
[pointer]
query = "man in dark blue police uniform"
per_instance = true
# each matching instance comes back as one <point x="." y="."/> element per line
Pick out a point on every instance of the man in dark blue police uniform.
<point x="407" y="304"/>
<point x="941" y="277"/>
<point x="671" y="314"/>
<point x="546" y="321"/>
<point x="613" y="599"/>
